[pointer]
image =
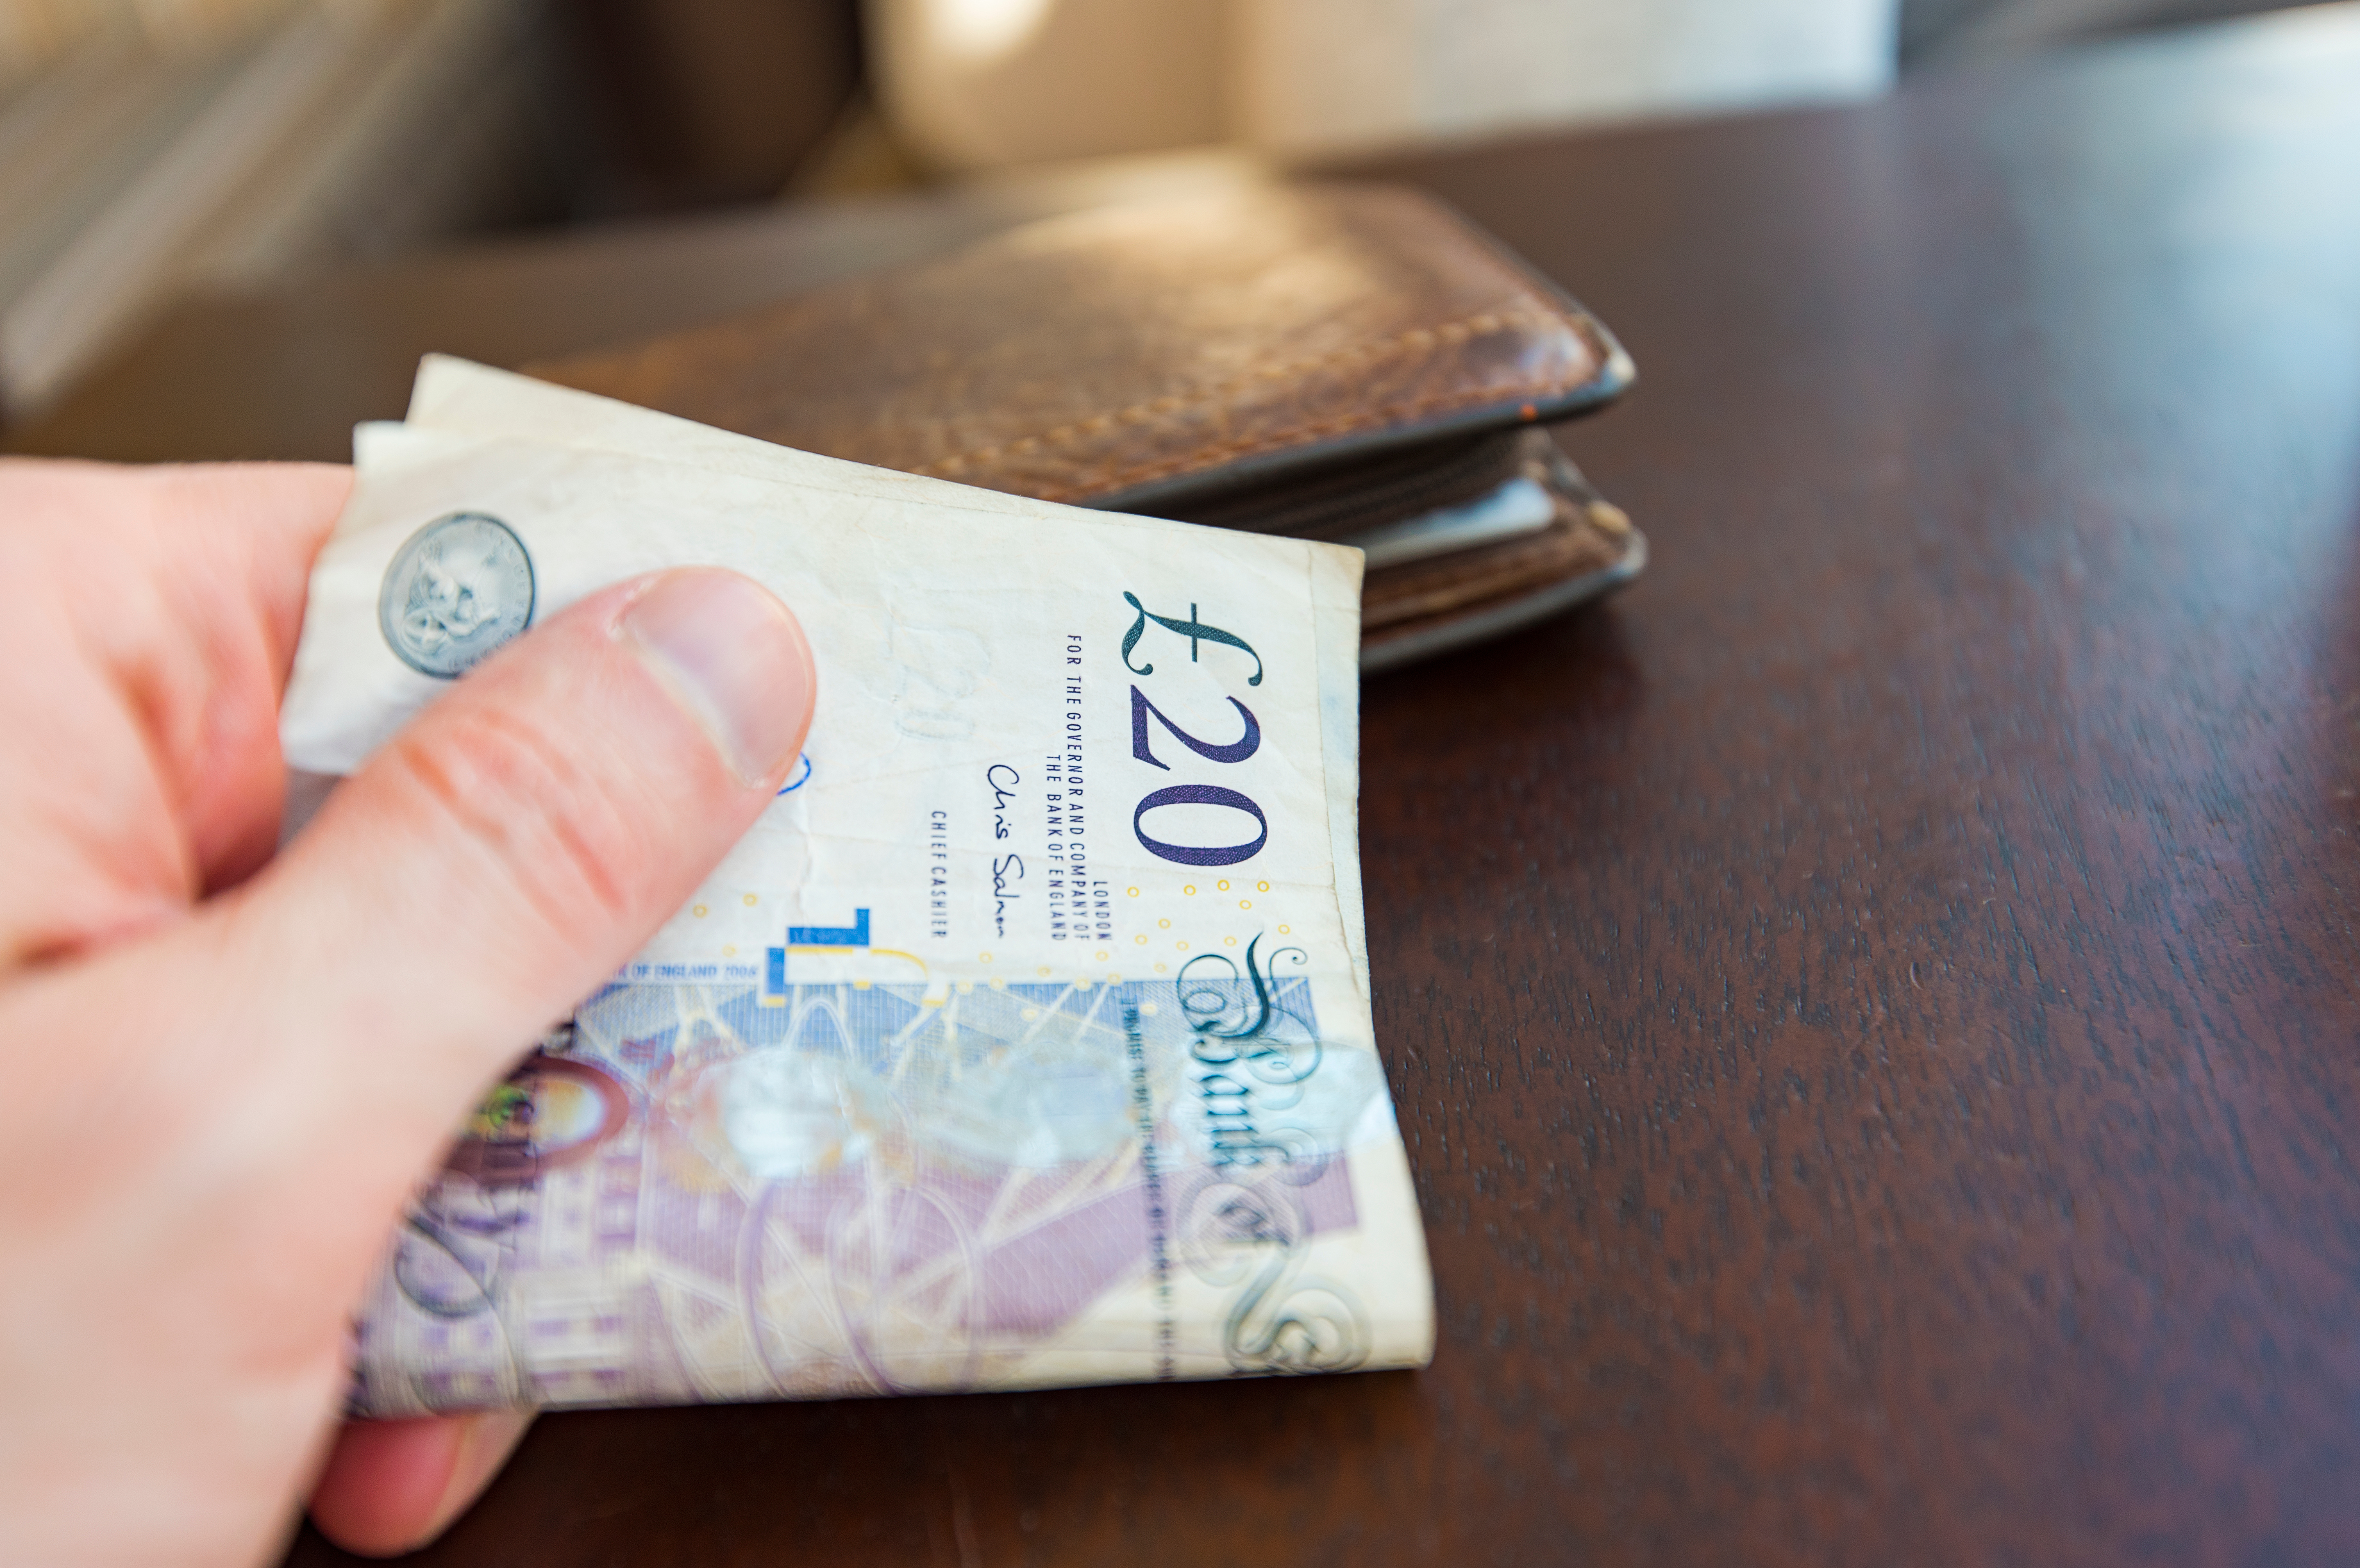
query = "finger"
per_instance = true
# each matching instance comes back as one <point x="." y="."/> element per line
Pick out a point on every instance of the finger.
<point x="329" y="1022"/>
<point x="505" y="853"/>
<point x="260" y="524"/>
<point x="243" y="536"/>
<point x="502" y="856"/>
<point x="142" y="704"/>
<point x="223" y="555"/>
<point x="392" y="1486"/>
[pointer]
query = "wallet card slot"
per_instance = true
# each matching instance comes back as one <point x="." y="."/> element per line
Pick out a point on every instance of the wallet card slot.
<point x="1370" y="493"/>
<point x="1516" y="507"/>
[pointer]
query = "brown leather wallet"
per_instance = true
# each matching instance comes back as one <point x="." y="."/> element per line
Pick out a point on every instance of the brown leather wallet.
<point x="1339" y="361"/>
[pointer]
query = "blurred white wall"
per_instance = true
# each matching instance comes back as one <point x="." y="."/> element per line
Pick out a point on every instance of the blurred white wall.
<point x="1323" y="76"/>
<point x="991" y="83"/>
<point x="153" y="148"/>
<point x="985" y="84"/>
<point x="35" y="32"/>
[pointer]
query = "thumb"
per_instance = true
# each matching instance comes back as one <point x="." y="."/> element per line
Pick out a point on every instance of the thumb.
<point x="519" y="840"/>
<point x="219" y="1121"/>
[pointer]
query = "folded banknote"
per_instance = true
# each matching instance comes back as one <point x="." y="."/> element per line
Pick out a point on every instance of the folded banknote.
<point x="1025" y="1040"/>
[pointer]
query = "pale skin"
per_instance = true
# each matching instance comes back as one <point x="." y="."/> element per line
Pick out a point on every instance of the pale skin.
<point x="222" y="1070"/>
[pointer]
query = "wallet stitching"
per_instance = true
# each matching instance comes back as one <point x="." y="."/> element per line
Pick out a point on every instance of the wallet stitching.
<point x="1344" y="424"/>
<point x="1452" y="333"/>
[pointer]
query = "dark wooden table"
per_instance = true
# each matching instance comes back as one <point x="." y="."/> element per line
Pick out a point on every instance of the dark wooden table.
<point x="1873" y="1010"/>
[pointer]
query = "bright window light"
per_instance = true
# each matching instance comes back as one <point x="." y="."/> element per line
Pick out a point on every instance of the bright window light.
<point x="984" y="30"/>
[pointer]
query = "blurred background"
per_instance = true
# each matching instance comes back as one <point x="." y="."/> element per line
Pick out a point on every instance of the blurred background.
<point x="150" y="149"/>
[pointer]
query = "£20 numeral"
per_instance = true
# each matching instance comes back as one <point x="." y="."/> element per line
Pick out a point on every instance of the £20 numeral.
<point x="1143" y="745"/>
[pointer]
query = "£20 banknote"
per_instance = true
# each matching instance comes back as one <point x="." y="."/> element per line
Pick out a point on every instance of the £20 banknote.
<point x="1025" y="1040"/>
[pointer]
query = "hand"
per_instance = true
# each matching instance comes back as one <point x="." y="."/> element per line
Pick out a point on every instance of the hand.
<point x="221" y="1073"/>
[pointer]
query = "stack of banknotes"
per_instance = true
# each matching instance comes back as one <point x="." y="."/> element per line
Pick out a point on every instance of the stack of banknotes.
<point x="1024" y="1041"/>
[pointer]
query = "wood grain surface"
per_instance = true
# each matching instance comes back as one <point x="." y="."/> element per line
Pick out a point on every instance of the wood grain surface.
<point x="1872" y="1010"/>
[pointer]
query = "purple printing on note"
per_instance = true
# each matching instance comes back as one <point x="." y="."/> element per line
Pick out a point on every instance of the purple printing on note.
<point x="690" y="1197"/>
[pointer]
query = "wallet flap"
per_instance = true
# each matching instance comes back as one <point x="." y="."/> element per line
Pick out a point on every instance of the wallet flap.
<point x="1133" y="355"/>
